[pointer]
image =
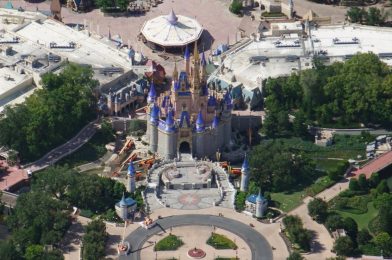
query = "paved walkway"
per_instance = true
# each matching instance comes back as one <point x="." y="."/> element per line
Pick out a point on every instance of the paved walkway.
<point x="375" y="165"/>
<point x="63" y="150"/>
<point x="323" y="242"/>
<point x="196" y="236"/>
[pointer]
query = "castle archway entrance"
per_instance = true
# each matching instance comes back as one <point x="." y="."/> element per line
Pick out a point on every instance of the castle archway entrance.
<point x="184" y="147"/>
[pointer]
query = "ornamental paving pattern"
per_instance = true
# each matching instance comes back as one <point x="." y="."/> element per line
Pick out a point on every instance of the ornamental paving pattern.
<point x="190" y="199"/>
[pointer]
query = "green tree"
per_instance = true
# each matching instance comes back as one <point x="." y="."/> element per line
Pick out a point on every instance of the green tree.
<point x="37" y="126"/>
<point x="104" y="4"/>
<point x="374" y="16"/>
<point x="354" y="185"/>
<point x="351" y="228"/>
<point x="235" y="7"/>
<point x="333" y="222"/>
<point x="374" y="180"/>
<point x="384" y="242"/>
<point x="363" y="237"/>
<point x="34" y="252"/>
<point x="55" y="181"/>
<point x="382" y="187"/>
<point x="122" y="4"/>
<point x="38" y="219"/>
<point x="318" y="209"/>
<point x="295" y="256"/>
<point x="385" y="218"/>
<point x="276" y="168"/>
<point x="8" y="250"/>
<point x="343" y="246"/>
<point x="94" y="240"/>
<point x="300" y="127"/>
<point x="356" y="15"/>
<point x="362" y="182"/>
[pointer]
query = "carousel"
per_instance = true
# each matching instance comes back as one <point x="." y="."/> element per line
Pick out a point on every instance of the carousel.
<point x="170" y="32"/>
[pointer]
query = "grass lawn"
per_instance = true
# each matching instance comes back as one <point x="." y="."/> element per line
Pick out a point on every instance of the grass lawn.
<point x="361" y="219"/>
<point x="326" y="165"/>
<point x="218" y="241"/>
<point x="287" y="200"/>
<point x="169" y="243"/>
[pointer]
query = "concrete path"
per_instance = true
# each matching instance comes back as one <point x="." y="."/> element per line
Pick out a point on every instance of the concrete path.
<point x="322" y="242"/>
<point x="63" y="150"/>
<point x="259" y="246"/>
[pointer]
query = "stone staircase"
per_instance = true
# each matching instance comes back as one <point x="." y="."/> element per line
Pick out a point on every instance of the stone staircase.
<point x="228" y="190"/>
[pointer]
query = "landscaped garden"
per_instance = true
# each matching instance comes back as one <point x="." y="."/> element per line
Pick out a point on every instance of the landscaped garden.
<point x="219" y="241"/>
<point x="364" y="211"/>
<point x="169" y="243"/>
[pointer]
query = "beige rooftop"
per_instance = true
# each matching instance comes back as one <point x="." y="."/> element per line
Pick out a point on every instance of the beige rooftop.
<point x="172" y="30"/>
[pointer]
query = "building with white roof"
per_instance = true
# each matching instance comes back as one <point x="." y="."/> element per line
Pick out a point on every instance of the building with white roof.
<point x="32" y="44"/>
<point x="171" y="31"/>
<point x="273" y="56"/>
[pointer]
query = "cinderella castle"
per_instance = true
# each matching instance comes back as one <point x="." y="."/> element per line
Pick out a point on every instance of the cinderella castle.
<point x="187" y="118"/>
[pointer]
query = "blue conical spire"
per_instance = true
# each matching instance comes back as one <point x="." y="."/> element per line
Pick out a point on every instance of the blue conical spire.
<point x="199" y="122"/>
<point x="245" y="164"/>
<point x="203" y="60"/>
<point x="169" y="121"/>
<point x="259" y="197"/>
<point x="211" y="101"/>
<point x="187" y="54"/>
<point x="152" y="94"/>
<point x="122" y="201"/>
<point x="215" y="121"/>
<point x="131" y="169"/>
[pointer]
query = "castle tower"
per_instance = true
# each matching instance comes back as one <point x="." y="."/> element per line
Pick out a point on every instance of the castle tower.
<point x="260" y="202"/>
<point x="131" y="177"/>
<point x="203" y="71"/>
<point x="122" y="208"/>
<point x="245" y="172"/>
<point x="116" y="105"/>
<point x="187" y="58"/>
<point x="195" y="71"/>
<point x="170" y="130"/>
<point x="175" y="73"/>
<point x="200" y="135"/>
<point x="152" y="94"/>
<point x="226" y="115"/>
<point x="153" y="127"/>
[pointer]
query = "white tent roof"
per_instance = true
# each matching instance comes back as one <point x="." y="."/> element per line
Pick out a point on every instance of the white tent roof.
<point x="172" y="30"/>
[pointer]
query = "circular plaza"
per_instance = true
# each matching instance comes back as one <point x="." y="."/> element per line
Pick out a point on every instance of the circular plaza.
<point x="194" y="230"/>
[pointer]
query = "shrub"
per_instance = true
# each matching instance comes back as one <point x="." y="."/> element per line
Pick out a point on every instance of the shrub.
<point x="333" y="222"/>
<point x="343" y="246"/>
<point x="169" y="243"/>
<point x="318" y="209"/>
<point x="235" y="7"/>
<point x="354" y="185"/>
<point x="218" y="241"/>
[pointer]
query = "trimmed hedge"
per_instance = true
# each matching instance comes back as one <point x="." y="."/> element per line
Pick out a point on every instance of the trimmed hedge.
<point x="218" y="241"/>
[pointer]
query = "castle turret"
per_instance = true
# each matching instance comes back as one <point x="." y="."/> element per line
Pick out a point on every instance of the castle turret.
<point x="153" y="128"/>
<point x="245" y="172"/>
<point x="152" y="94"/>
<point x="187" y="58"/>
<point x="200" y="123"/>
<point x="170" y="138"/>
<point x="175" y="73"/>
<point x="116" y="105"/>
<point x="226" y="116"/>
<point x="261" y="204"/>
<point x="195" y="72"/>
<point x="122" y="209"/>
<point x="131" y="177"/>
<point x="203" y="70"/>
